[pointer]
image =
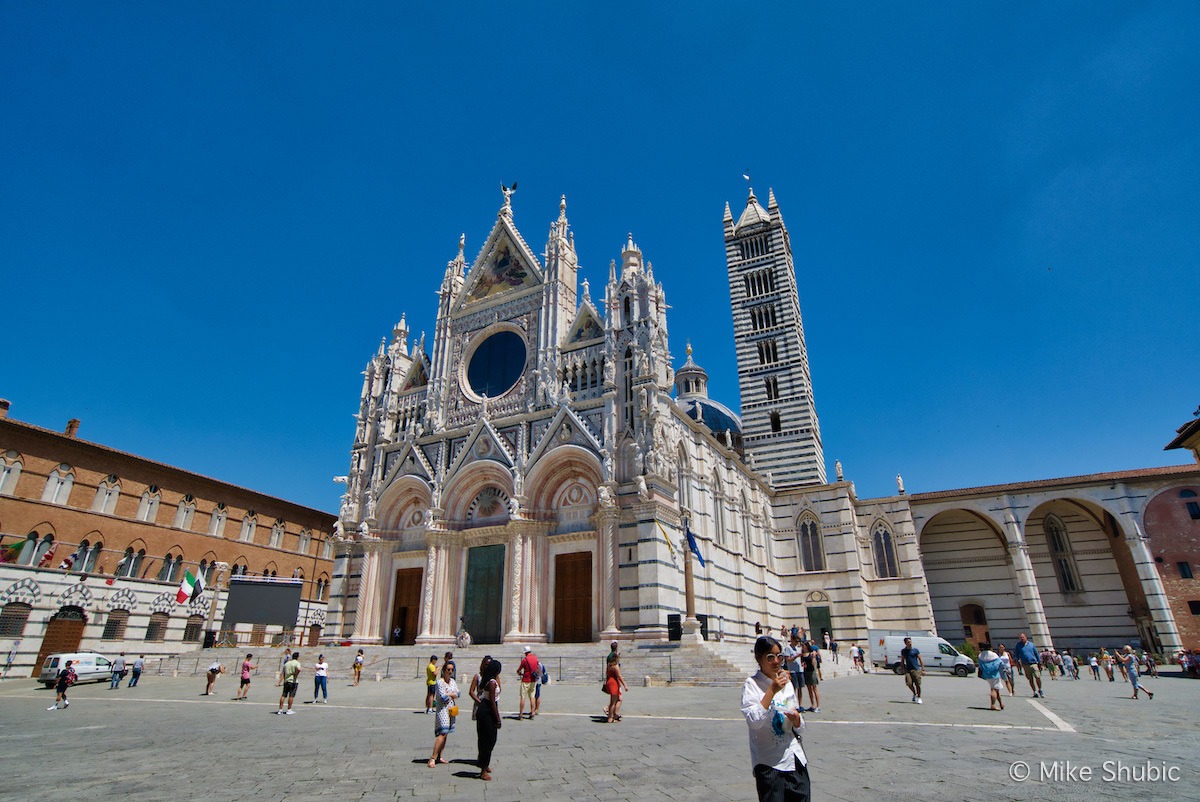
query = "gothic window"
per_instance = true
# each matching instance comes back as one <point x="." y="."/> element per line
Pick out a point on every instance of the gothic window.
<point x="106" y="495"/>
<point x="164" y="573"/>
<point x="89" y="556"/>
<point x="58" y="485"/>
<point x="747" y="539"/>
<point x="42" y="549"/>
<point x="114" y="628"/>
<point x="776" y="423"/>
<point x="131" y="563"/>
<point x="1061" y="554"/>
<point x="277" y="534"/>
<point x="768" y="352"/>
<point x="681" y="481"/>
<point x="13" y="619"/>
<point x="148" y="506"/>
<point x="185" y="512"/>
<point x="216" y="522"/>
<point x="327" y="549"/>
<point x="812" y="554"/>
<point x="1193" y="506"/>
<point x="10" y="471"/>
<point x="885" y="553"/>
<point x="718" y="510"/>
<point x="628" y="312"/>
<point x="322" y="584"/>
<point x="249" y="526"/>
<point x="771" y="385"/>
<point x="156" y="632"/>
<point x="305" y="541"/>
<point x="628" y="385"/>
<point x="193" y="629"/>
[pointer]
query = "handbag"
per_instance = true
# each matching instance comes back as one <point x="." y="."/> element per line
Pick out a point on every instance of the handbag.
<point x="452" y="710"/>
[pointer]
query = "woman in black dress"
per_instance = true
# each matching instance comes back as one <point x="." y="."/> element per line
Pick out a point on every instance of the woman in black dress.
<point x="487" y="721"/>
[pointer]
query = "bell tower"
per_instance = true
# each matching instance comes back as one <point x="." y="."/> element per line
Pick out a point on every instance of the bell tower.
<point x="779" y="416"/>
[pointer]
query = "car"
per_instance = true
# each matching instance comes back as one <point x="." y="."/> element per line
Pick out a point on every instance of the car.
<point x="89" y="667"/>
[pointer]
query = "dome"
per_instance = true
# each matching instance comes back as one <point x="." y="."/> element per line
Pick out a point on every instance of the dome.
<point x="716" y="416"/>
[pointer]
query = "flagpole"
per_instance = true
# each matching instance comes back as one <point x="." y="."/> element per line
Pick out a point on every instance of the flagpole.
<point x="212" y="605"/>
<point x="691" y="625"/>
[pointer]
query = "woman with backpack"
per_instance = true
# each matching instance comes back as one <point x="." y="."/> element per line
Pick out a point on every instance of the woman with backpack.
<point x="989" y="671"/>
<point x="66" y="678"/>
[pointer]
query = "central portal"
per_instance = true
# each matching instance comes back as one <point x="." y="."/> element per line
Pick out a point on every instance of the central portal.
<point x="483" y="605"/>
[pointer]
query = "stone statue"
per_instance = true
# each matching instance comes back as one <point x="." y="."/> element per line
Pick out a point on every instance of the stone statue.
<point x="339" y="531"/>
<point x="643" y="492"/>
<point x="604" y="496"/>
<point x="514" y="507"/>
<point x="609" y="372"/>
<point x="900" y="483"/>
<point x="837" y="469"/>
<point x="364" y="531"/>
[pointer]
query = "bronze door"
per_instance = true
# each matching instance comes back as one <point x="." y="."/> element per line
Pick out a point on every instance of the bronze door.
<point x="406" y="607"/>
<point x="573" y="598"/>
<point x="482" y="606"/>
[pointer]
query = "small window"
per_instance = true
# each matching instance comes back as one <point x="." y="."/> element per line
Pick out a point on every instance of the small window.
<point x="10" y="472"/>
<point x="156" y="632"/>
<point x="216" y="523"/>
<point x="106" y="495"/>
<point x="277" y="534"/>
<point x="1193" y="506"/>
<point x="1185" y="570"/>
<point x="776" y="423"/>
<point x="193" y="629"/>
<point x="1194" y="607"/>
<point x="304" y="542"/>
<point x="13" y="618"/>
<point x="114" y="628"/>
<point x="58" y="485"/>
<point x="249" y="526"/>
<point x="946" y="649"/>
<point x="185" y="512"/>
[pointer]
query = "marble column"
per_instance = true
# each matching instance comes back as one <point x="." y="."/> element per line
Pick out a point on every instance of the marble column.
<point x="516" y="575"/>
<point x="431" y="564"/>
<point x="366" y="621"/>
<point x="608" y="595"/>
<point x="1156" y="596"/>
<point x="1027" y="587"/>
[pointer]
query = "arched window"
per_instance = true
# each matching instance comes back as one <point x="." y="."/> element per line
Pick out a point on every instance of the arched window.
<point x="628" y="384"/>
<point x="10" y="472"/>
<point x="148" y="505"/>
<point x="13" y="619"/>
<point x="114" y="627"/>
<point x="156" y="631"/>
<point x="305" y="541"/>
<point x="208" y="573"/>
<point x="193" y="629"/>
<point x="216" y="522"/>
<point x="776" y="423"/>
<point x="277" y="534"/>
<point x="681" y="481"/>
<point x="747" y="533"/>
<point x="90" y="557"/>
<point x="885" y="553"/>
<point x="28" y="549"/>
<point x="320" y="589"/>
<point x="164" y="573"/>
<point x="249" y="525"/>
<point x="1061" y="554"/>
<point x="718" y="509"/>
<point x="812" y="554"/>
<point x="106" y="495"/>
<point x="327" y="549"/>
<point x="185" y="512"/>
<point x="58" y="485"/>
<point x="628" y="312"/>
<point x="1189" y="500"/>
<point x="43" y="548"/>
<point x="131" y="562"/>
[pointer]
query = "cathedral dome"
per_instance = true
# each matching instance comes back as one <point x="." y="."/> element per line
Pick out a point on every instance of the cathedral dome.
<point x="691" y="384"/>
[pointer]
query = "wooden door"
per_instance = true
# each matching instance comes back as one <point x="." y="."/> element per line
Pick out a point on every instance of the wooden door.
<point x="573" y="598"/>
<point x="64" y="633"/>
<point x="407" y="606"/>
<point x="483" y="606"/>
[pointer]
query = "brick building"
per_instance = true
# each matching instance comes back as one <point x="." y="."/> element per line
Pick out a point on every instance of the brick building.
<point x="141" y="524"/>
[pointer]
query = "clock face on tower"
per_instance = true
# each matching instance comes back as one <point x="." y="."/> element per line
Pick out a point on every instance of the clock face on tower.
<point x="496" y="364"/>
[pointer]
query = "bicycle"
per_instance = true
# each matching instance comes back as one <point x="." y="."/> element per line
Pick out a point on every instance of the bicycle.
<point x="462" y="638"/>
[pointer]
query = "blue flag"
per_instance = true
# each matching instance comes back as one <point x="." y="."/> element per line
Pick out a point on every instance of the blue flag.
<point x="694" y="547"/>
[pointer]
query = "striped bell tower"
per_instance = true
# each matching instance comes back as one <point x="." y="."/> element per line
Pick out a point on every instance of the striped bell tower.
<point x="779" y="417"/>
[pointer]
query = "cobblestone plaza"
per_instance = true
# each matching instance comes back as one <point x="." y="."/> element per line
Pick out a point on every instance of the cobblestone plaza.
<point x="164" y="739"/>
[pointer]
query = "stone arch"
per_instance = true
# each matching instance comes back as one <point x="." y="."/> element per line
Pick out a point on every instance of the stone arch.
<point x="556" y="468"/>
<point x="163" y="603"/>
<point x="26" y="591"/>
<point x="400" y="502"/>
<point x="462" y="491"/>
<point x="78" y="595"/>
<point x="316" y="618"/>
<point x="199" y="605"/>
<point x="123" y="599"/>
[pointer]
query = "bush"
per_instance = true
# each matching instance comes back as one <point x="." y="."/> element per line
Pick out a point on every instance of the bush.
<point x="969" y="650"/>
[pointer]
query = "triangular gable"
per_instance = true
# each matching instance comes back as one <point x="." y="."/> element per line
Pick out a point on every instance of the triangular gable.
<point x="505" y="264"/>
<point x="432" y="453"/>
<point x="418" y="373"/>
<point x="483" y="443"/>
<point x="587" y="325"/>
<point x="407" y="461"/>
<point x="566" y="428"/>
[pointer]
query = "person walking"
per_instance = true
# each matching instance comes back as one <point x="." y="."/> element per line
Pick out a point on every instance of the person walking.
<point x="1094" y="664"/>
<point x="614" y="685"/>
<point x="118" y="671"/>
<point x="833" y="649"/>
<point x="431" y="675"/>
<point x="244" y="682"/>
<point x="138" y="666"/>
<point x="989" y="670"/>
<point x="321" y="680"/>
<point x="63" y="680"/>
<point x="774" y="720"/>
<point x="810" y="660"/>
<point x="290" y="679"/>
<point x="487" y="722"/>
<point x="358" y="667"/>
<point x="445" y="698"/>
<point x="1029" y="662"/>
<point x="1129" y="661"/>
<point x="914" y="668"/>
<point x="528" y="672"/>
<point x="1006" y="670"/>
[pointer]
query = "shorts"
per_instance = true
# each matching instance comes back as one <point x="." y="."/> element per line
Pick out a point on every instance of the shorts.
<point x="1032" y="670"/>
<point x="289" y="688"/>
<point x="527" y="689"/>
<point x="996" y="683"/>
<point x="245" y="682"/>
<point x="913" y="676"/>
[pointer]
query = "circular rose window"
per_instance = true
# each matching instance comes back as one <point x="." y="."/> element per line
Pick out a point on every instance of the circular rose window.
<point x="497" y="364"/>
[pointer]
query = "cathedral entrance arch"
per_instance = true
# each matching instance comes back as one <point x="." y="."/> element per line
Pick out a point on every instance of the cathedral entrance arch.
<point x="64" y="633"/>
<point x="573" y="597"/>
<point x="483" y="598"/>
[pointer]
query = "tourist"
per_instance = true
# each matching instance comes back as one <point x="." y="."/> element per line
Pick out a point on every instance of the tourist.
<point x="290" y="680"/>
<point x="833" y="649"/>
<point x="448" y="657"/>
<point x="139" y="665"/>
<point x="215" y="670"/>
<point x="244" y="687"/>
<point x="487" y="723"/>
<point x="1106" y="663"/>
<point x="118" y="671"/>
<point x="613" y="653"/>
<point x="810" y="661"/>
<point x="528" y="672"/>
<point x="446" y="701"/>
<point x="1006" y="669"/>
<point x="1028" y="661"/>
<point x="476" y="683"/>
<point x="791" y="662"/>
<point x="1129" y="662"/>
<point x="543" y="678"/>
<point x="64" y="679"/>
<point x="1094" y="664"/>
<point x="358" y="667"/>
<point x="431" y="675"/>
<point x="614" y="685"/>
<point x="914" y="668"/>
<point x="321" y="680"/>
<point x="990" y="665"/>
<point x="773" y="717"/>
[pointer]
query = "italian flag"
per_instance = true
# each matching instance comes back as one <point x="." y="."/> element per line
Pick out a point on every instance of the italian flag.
<point x="190" y="588"/>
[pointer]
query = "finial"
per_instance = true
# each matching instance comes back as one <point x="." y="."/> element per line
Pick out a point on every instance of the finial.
<point x="562" y="206"/>
<point x="508" y="193"/>
<point x="689" y="349"/>
<point x="462" y="242"/>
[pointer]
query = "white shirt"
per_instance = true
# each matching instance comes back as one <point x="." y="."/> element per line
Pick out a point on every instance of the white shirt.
<point x="322" y="669"/>
<point x="766" y="748"/>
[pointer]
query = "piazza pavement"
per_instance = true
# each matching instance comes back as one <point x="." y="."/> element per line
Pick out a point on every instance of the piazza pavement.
<point x="165" y="740"/>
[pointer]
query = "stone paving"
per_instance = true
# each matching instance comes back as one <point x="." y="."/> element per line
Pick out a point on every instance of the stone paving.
<point x="165" y="740"/>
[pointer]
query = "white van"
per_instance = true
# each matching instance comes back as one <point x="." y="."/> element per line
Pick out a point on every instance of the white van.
<point x="935" y="652"/>
<point x="88" y="666"/>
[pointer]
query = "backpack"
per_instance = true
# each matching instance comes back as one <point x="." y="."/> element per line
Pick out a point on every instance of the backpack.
<point x="545" y="675"/>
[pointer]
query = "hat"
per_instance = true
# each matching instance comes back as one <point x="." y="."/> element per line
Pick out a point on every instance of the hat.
<point x="528" y="650"/>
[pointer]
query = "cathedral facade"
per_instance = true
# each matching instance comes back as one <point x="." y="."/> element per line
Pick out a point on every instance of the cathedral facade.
<point x="531" y="473"/>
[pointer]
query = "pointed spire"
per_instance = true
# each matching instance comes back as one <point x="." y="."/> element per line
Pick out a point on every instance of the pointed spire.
<point x="382" y="347"/>
<point x="612" y="271"/>
<point x="728" y="214"/>
<point x="631" y="257"/>
<point x="771" y="202"/>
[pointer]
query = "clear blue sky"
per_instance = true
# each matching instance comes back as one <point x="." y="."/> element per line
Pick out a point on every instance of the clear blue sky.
<point x="210" y="213"/>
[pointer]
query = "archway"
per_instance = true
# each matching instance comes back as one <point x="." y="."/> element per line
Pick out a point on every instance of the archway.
<point x="966" y="561"/>
<point x="64" y="633"/>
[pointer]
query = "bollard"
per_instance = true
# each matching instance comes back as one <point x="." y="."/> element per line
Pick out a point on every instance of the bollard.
<point x="378" y="677"/>
<point x="175" y="672"/>
<point x="646" y="682"/>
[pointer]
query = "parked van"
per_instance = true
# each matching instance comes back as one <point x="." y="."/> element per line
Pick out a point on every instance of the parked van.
<point x="885" y="646"/>
<point x="88" y="666"/>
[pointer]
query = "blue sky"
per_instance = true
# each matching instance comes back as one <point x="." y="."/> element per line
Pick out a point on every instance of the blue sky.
<point x="211" y="213"/>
